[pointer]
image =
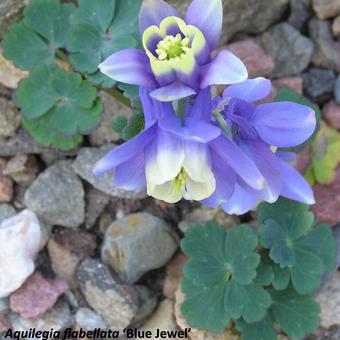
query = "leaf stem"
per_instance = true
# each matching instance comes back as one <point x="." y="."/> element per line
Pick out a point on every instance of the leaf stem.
<point x="61" y="55"/>
<point x="115" y="93"/>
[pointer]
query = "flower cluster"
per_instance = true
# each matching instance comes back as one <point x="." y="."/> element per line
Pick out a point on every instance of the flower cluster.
<point x="221" y="151"/>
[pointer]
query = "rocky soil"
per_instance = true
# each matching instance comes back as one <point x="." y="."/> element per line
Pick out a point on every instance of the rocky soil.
<point x="80" y="253"/>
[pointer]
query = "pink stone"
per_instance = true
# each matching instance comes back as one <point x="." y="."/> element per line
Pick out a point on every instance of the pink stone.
<point x="174" y="273"/>
<point x="5" y="323"/>
<point x="326" y="8"/>
<point x="257" y="62"/>
<point x="331" y="113"/>
<point x="336" y="27"/>
<point x="36" y="296"/>
<point x="327" y="199"/>
<point x="294" y="83"/>
<point x="6" y="189"/>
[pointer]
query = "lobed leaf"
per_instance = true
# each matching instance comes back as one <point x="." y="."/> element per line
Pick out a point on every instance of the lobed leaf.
<point x="305" y="251"/>
<point x="297" y="315"/>
<point x="261" y="330"/>
<point x="100" y="28"/>
<point x="58" y="102"/>
<point x="44" y="29"/>
<point x="220" y="274"/>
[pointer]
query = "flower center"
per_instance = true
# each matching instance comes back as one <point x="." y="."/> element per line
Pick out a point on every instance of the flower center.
<point x="172" y="47"/>
<point x="178" y="183"/>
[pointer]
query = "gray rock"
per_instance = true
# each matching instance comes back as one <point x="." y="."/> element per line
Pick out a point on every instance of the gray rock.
<point x="89" y="320"/>
<point x="329" y="300"/>
<point x="58" y="319"/>
<point x="337" y="90"/>
<point x="57" y="196"/>
<point x="112" y="108"/>
<point x="116" y="303"/>
<point x="4" y="305"/>
<point x="292" y="52"/>
<point x="9" y="118"/>
<point x="96" y="201"/>
<point x="163" y="318"/>
<point x="21" y="143"/>
<point x="6" y="211"/>
<point x="318" y="84"/>
<point x="204" y="214"/>
<point x="137" y="244"/>
<point x="22" y="169"/>
<point x="147" y="303"/>
<point x="327" y="50"/>
<point x="83" y="166"/>
<point x="244" y="16"/>
<point x="300" y="12"/>
<point x="10" y="11"/>
<point x="332" y="333"/>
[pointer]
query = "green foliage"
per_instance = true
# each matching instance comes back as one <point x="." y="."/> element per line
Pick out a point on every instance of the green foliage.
<point x="57" y="106"/>
<point x="129" y="128"/>
<point x="119" y="124"/>
<point x="297" y="315"/>
<point x="229" y="277"/>
<point x="221" y="272"/>
<point x="100" y="28"/>
<point x="53" y="100"/>
<point x="36" y="39"/>
<point x="307" y="251"/>
<point x="261" y="330"/>
<point x="325" y="156"/>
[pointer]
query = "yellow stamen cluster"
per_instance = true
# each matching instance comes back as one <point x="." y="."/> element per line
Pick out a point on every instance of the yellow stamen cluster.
<point x="172" y="47"/>
<point x="178" y="183"/>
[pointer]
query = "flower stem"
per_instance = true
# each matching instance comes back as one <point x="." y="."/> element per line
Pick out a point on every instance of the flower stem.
<point x="180" y="110"/>
<point x="115" y="93"/>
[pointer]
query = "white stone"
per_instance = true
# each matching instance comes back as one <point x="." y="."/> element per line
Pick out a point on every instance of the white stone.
<point x="21" y="238"/>
<point x="88" y="319"/>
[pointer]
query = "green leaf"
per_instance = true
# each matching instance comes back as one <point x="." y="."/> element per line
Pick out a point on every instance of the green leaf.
<point x="265" y="274"/>
<point x="119" y="124"/>
<point x="134" y="126"/>
<point x="69" y="101"/>
<point x="306" y="251"/>
<point x="325" y="156"/>
<point x="261" y="330"/>
<point x="100" y="28"/>
<point x="131" y="92"/>
<point x="297" y="315"/>
<point x="44" y="29"/>
<point x="288" y="95"/>
<point x="43" y="133"/>
<point x="50" y="20"/>
<point x="218" y="278"/>
<point x="100" y="79"/>
<point x="281" y="277"/>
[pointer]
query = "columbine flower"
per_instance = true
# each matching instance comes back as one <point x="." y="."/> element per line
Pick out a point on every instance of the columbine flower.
<point x="173" y="157"/>
<point x="258" y="130"/>
<point x="177" y="59"/>
<point x="169" y="157"/>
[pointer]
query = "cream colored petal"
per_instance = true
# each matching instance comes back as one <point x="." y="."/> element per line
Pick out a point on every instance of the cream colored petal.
<point x="198" y="191"/>
<point x="165" y="192"/>
<point x="196" y="163"/>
